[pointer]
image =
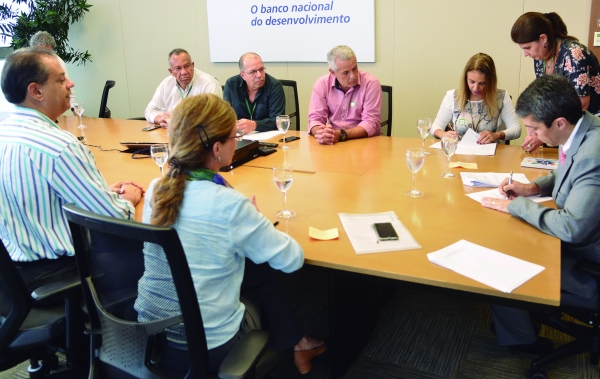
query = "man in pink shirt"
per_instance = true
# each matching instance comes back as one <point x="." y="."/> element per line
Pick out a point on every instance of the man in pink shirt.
<point x="346" y="103"/>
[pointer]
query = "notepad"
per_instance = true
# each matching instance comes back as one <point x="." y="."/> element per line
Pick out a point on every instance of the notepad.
<point x="546" y="164"/>
<point x="497" y="270"/>
<point x="489" y="179"/>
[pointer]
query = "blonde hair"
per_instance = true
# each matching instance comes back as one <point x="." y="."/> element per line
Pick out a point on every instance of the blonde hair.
<point x="484" y="64"/>
<point x="197" y="123"/>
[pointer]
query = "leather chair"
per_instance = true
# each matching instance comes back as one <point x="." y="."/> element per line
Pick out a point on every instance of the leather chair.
<point x="292" y="106"/>
<point x="104" y="111"/>
<point x="386" y="110"/>
<point x="586" y="333"/>
<point x="122" y="347"/>
<point x="28" y="328"/>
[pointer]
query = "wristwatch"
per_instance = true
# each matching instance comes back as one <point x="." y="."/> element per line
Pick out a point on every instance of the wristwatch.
<point x="343" y="135"/>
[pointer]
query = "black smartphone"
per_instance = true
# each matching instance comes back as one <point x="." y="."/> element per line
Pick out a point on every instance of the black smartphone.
<point x="385" y="231"/>
<point x="289" y="139"/>
<point x="150" y="127"/>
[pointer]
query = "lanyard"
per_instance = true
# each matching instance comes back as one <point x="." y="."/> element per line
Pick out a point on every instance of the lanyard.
<point x="186" y="92"/>
<point x="250" y="111"/>
<point x="475" y="127"/>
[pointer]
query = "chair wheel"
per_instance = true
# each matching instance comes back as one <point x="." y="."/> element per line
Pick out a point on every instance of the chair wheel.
<point x="539" y="375"/>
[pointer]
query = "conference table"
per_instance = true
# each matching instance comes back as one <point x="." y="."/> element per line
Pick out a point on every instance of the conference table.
<point x="367" y="176"/>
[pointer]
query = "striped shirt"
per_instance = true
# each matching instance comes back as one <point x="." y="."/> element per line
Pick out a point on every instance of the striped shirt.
<point x="42" y="168"/>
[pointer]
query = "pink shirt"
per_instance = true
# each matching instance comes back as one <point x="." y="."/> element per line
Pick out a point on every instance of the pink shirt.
<point x="361" y="105"/>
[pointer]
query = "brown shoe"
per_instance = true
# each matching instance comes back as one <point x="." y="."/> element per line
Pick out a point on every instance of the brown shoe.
<point x="302" y="358"/>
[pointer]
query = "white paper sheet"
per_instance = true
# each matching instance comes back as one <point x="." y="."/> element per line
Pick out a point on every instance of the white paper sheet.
<point x="255" y="136"/>
<point x="477" y="196"/>
<point x="489" y="179"/>
<point x="547" y="164"/>
<point x="360" y="231"/>
<point x="497" y="270"/>
<point x="468" y="145"/>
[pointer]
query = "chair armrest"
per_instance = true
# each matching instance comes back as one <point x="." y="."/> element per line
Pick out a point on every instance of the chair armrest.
<point x="64" y="287"/>
<point x="242" y="359"/>
<point x="590" y="268"/>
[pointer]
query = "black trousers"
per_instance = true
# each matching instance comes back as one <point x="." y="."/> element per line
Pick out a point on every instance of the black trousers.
<point x="265" y="309"/>
<point x="43" y="271"/>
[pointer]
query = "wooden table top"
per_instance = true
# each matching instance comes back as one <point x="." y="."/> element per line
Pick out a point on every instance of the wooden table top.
<point x="367" y="176"/>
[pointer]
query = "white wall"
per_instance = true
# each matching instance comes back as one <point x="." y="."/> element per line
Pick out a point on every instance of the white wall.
<point x="421" y="48"/>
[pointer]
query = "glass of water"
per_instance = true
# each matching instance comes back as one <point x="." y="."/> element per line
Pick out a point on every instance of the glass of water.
<point x="423" y="126"/>
<point x="414" y="160"/>
<point x="283" y="124"/>
<point x="449" y="147"/>
<point x="160" y="154"/>
<point x="283" y="176"/>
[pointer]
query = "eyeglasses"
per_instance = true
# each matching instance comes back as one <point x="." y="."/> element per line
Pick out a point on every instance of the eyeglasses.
<point x="186" y="68"/>
<point x="253" y="72"/>
<point x="238" y="136"/>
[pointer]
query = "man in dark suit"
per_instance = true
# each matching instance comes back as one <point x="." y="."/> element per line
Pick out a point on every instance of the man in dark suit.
<point x="551" y="108"/>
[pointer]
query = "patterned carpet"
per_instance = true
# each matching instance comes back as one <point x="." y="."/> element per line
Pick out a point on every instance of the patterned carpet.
<point x="418" y="335"/>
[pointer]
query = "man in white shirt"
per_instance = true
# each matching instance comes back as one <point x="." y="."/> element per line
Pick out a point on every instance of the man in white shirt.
<point x="185" y="80"/>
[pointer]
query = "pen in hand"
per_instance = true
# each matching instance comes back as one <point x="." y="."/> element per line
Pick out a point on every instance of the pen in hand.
<point x="509" y="182"/>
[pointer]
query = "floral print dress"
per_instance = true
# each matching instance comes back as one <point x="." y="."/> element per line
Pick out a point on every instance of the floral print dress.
<point x="580" y="66"/>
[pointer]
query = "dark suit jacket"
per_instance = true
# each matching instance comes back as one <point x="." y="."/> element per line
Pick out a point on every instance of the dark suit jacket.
<point x="575" y="188"/>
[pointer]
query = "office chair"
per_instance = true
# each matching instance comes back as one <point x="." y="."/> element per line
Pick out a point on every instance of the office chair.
<point x="292" y="106"/>
<point x="30" y="332"/>
<point x="122" y="347"/>
<point x="587" y="337"/>
<point x="386" y="110"/>
<point x="104" y="111"/>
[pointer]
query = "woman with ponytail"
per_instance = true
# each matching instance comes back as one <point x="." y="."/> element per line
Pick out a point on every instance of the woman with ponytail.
<point x="231" y="248"/>
<point x="544" y="37"/>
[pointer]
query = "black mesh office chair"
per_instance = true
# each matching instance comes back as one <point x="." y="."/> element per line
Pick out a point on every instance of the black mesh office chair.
<point x="104" y="111"/>
<point x="586" y="334"/>
<point x="386" y="110"/>
<point x="28" y="331"/>
<point x="292" y="106"/>
<point x="128" y="348"/>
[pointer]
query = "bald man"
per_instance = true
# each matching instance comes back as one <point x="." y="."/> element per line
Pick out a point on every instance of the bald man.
<point x="256" y="96"/>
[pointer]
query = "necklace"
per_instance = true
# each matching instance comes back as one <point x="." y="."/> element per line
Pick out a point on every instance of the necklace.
<point x="551" y="65"/>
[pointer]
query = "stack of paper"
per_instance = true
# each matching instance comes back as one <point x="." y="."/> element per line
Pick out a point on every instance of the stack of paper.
<point x="477" y="196"/>
<point x="256" y="136"/>
<point x="497" y="270"/>
<point x="489" y="179"/>
<point x="468" y="145"/>
<point x="359" y="228"/>
<point x="548" y="164"/>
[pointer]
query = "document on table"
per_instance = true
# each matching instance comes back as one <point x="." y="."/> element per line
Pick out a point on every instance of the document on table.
<point x="468" y="145"/>
<point x="255" y="136"/>
<point x="489" y="179"/>
<point x="359" y="228"/>
<point x="497" y="270"/>
<point x="547" y="164"/>
<point x="477" y="196"/>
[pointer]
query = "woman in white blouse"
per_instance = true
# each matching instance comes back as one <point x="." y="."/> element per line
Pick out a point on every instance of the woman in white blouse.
<point x="479" y="105"/>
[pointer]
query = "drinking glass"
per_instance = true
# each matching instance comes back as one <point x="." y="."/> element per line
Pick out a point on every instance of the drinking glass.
<point x="414" y="160"/>
<point x="78" y="107"/>
<point x="283" y="124"/>
<point x="423" y="126"/>
<point x="283" y="176"/>
<point x="160" y="154"/>
<point x="449" y="147"/>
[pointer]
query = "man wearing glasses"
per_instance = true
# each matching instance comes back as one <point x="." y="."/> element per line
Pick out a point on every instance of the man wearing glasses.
<point x="256" y="96"/>
<point x="185" y="80"/>
<point x="346" y="103"/>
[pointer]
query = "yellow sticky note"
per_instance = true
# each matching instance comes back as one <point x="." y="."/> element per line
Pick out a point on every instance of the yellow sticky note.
<point x="463" y="165"/>
<point x="323" y="235"/>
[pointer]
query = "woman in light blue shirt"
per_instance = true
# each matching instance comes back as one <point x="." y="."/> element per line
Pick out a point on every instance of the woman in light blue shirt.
<point x="231" y="248"/>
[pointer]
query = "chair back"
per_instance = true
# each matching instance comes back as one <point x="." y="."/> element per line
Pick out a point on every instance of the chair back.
<point x="113" y="255"/>
<point x="15" y="301"/>
<point x="292" y="106"/>
<point x="104" y="111"/>
<point x="386" y="110"/>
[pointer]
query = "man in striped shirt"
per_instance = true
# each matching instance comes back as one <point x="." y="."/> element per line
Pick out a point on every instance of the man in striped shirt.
<point x="43" y="167"/>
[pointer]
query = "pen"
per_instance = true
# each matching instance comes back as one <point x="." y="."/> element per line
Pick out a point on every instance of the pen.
<point x="276" y="223"/>
<point x="509" y="182"/>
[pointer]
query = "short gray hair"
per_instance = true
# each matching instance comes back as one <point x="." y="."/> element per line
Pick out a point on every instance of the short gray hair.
<point x="42" y="39"/>
<point x="241" y="61"/>
<point x="341" y="52"/>
<point x="178" y="51"/>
